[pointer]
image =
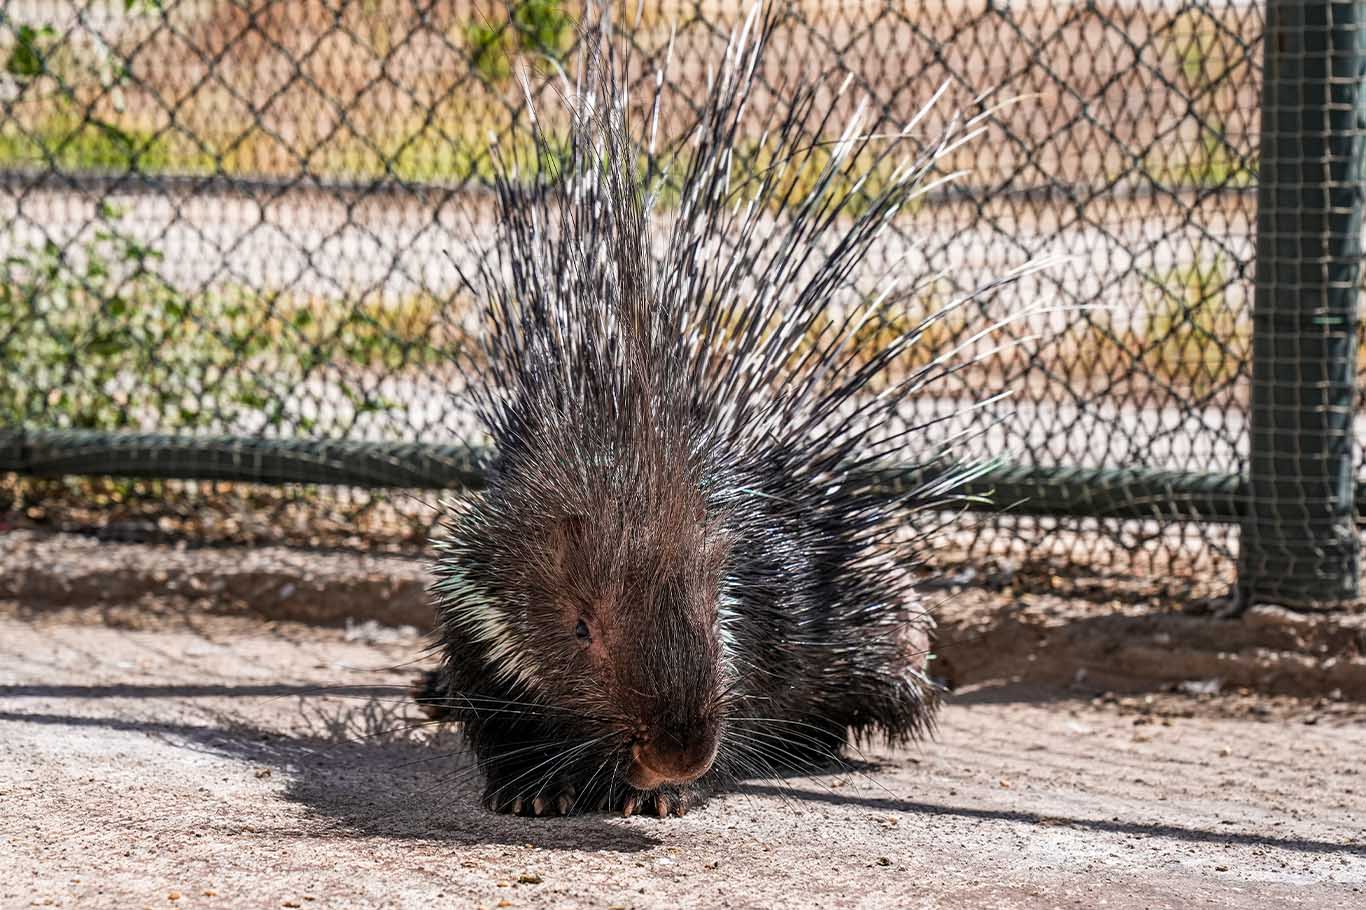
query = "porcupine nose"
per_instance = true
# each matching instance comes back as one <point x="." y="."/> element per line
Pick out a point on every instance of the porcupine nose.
<point x="671" y="759"/>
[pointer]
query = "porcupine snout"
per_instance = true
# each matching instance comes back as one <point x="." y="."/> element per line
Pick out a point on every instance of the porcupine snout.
<point x="678" y="722"/>
<point x="672" y="755"/>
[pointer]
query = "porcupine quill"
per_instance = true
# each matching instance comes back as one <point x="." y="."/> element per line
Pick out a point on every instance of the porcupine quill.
<point x="681" y="571"/>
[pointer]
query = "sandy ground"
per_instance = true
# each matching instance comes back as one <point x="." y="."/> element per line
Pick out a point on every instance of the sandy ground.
<point x="191" y="760"/>
<point x="1116" y="632"/>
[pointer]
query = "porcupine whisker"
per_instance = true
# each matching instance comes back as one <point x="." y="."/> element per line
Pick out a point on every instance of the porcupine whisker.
<point x="459" y="777"/>
<point x="446" y="785"/>
<point x="781" y="751"/>
<point x="477" y="704"/>
<point x="774" y="755"/>
<point x="522" y="748"/>
<point x="749" y="761"/>
<point x="584" y="791"/>
<point x="843" y="765"/>
<point x="819" y="736"/>
<point x="554" y="758"/>
<point x="444" y="754"/>
<point x="756" y="764"/>
<point x="546" y="779"/>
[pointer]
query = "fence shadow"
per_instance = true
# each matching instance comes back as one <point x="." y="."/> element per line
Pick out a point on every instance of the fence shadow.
<point x="891" y="803"/>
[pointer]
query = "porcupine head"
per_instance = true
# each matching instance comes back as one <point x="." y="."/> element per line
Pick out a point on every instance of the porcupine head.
<point x="673" y="537"/>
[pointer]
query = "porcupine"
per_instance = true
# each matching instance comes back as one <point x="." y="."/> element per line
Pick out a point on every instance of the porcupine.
<point x="680" y="571"/>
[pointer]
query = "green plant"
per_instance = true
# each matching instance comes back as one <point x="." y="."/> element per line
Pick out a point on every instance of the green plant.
<point x="94" y="145"/>
<point x="29" y="54"/>
<point x="92" y="337"/>
<point x="76" y="84"/>
<point x="534" y="27"/>
<point x="542" y="27"/>
<point x="489" y="50"/>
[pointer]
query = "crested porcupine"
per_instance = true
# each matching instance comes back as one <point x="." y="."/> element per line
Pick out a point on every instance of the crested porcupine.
<point x="681" y="570"/>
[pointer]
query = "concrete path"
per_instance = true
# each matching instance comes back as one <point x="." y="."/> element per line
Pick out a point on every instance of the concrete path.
<point x="182" y="760"/>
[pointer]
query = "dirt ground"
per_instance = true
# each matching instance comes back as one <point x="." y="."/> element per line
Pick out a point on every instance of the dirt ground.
<point x="157" y="752"/>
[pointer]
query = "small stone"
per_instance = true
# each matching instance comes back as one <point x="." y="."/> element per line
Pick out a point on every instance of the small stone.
<point x="173" y="896"/>
<point x="529" y="878"/>
<point x="262" y="773"/>
<point x="883" y="861"/>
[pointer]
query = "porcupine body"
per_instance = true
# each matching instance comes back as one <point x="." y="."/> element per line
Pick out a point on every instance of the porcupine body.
<point x="681" y="572"/>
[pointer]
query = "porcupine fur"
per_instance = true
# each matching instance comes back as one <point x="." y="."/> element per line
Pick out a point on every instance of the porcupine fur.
<point x="681" y="572"/>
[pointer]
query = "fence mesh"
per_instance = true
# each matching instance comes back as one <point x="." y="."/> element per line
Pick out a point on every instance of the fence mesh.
<point x="235" y="216"/>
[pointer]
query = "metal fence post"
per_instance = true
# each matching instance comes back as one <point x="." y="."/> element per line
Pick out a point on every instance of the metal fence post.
<point x="1299" y="541"/>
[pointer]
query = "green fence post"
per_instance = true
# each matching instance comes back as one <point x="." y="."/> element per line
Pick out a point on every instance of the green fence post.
<point x="1299" y="541"/>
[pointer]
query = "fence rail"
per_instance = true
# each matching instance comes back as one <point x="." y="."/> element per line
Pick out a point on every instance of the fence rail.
<point x="1020" y="490"/>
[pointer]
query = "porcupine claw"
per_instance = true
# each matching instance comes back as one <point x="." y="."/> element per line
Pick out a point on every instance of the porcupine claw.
<point x="660" y="804"/>
<point x="559" y="800"/>
<point x="566" y="800"/>
<point x="675" y="804"/>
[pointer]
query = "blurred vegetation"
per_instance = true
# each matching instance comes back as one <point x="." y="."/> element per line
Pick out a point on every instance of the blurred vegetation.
<point x="70" y="144"/>
<point x="535" y="28"/>
<point x="93" y="337"/>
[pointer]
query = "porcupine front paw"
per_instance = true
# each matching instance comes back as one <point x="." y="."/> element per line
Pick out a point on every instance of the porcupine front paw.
<point x="555" y="797"/>
<point x="660" y="803"/>
<point x="563" y="797"/>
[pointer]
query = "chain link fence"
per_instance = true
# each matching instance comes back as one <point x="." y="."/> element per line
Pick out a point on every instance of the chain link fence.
<point x="231" y="219"/>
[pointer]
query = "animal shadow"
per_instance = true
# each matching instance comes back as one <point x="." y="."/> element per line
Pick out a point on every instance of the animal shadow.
<point x="363" y="765"/>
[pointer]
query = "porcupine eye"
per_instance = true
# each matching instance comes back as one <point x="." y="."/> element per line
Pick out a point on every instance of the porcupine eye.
<point x="581" y="632"/>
